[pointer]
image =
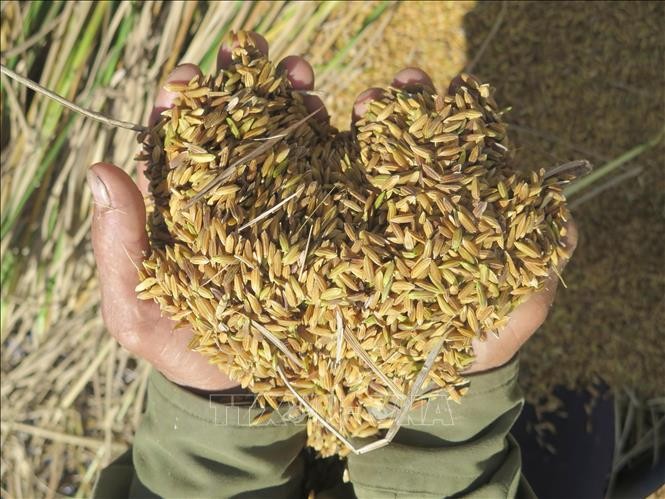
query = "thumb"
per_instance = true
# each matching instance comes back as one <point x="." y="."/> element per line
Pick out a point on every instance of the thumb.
<point x="119" y="241"/>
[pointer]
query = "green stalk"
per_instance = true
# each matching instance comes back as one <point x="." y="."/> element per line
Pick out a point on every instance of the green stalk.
<point x="305" y="29"/>
<point x="78" y="58"/>
<point x="11" y="265"/>
<point x="55" y="110"/>
<point x="3" y="315"/>
<point x="264" y="24"/>
<point x="42" y="317"/>
<point x="74" y="63"/>
<point x="103" y="78"/>
<point x="53" y="151"/>
<point x="373" y="16"/>
<point x="105" y="75"/>
<point x="13" y="270"/>
<point x="612" y="165"/>
<point x="34" y="16"/>
<point x="283" y="18"/>
<point x="339" y="56"/>
<point x="8" y="261"/>
<point x="210" y="56"/>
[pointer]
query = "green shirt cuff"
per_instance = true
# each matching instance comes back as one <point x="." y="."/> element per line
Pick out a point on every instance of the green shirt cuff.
<point x="451" y="449"/>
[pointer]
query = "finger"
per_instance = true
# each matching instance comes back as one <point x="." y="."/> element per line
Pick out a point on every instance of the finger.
<point x="495" y="350"/>
<point x="455" y="84"/>
<point x="531" y="314"/>
<point x="361" y="103"/>
<point x="314" y="103"/>
<point x="412" y="79"/>
<point x="119" y="241"/>
<point x="224" y="55"/>
<point x="164" y="100"/>
<point x="300" y="75"/>
<point x="525" y="319"/>
<point x="299" y="72"/>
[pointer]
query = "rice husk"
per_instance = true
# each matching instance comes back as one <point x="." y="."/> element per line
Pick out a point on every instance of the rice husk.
<point x="331" y="264"/>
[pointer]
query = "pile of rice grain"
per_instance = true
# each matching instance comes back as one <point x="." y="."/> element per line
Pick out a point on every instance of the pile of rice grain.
<point x="334" y="261"/>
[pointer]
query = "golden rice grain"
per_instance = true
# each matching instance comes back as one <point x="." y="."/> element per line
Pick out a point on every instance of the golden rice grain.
<point x="328" y="265"/>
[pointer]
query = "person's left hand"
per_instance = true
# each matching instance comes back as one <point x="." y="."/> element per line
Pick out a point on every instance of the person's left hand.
<point x="494" y="351"/>
<point x="524" y="321"/>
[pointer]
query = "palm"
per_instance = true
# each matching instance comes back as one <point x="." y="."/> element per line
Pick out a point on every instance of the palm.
<point x="169" y="352"/>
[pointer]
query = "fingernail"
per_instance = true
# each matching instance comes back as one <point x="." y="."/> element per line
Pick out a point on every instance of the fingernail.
<point x="183" y="73"/>
<point x="362" y="102"/>
<point x="412" y="79"/>
<point x="100" y="192"/>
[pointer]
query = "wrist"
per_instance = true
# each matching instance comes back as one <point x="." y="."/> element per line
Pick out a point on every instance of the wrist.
<point x="481" y="366"/>
<point x="211" y="381"/>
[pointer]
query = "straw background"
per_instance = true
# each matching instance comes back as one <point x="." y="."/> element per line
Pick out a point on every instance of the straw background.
<point x="583" y="81"/>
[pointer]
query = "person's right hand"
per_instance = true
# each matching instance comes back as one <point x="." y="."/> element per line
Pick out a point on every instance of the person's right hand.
<point x="120" y="244"/>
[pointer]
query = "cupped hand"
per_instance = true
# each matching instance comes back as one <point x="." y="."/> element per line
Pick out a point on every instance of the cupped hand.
<point x="494" y="350"/>
<point x="120" y="244"/>
<point x="524" y="321"/>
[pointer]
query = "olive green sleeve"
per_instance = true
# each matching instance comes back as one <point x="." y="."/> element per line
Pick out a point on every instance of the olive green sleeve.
<point x="451" y="449"/>
<point x="191" y="446"/>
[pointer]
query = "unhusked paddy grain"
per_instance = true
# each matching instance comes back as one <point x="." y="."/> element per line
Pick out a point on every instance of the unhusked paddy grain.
<point x="331" y="265"/>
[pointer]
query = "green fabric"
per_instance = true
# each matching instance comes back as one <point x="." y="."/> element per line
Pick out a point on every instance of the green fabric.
<point x="190" y="446"/>
<point x="453" y="449"/>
